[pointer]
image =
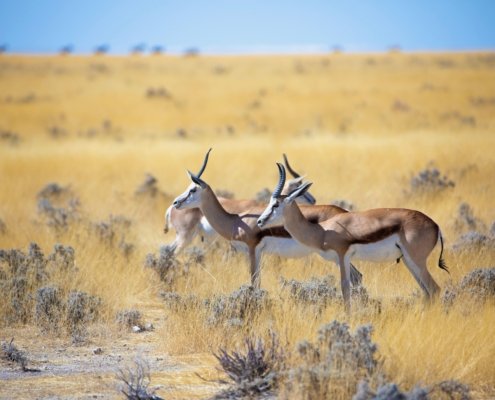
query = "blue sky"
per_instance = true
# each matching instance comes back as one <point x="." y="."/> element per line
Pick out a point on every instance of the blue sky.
<point x="238" y="26"/>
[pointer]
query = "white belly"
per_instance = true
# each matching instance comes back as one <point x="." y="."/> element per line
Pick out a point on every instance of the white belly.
<point x="383" y="251"/>
<point x="284" y="247"/>
<point x="206" y="229"/>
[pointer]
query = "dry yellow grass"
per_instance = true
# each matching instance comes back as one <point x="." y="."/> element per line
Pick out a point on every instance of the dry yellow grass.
<point x="359" y="126"/>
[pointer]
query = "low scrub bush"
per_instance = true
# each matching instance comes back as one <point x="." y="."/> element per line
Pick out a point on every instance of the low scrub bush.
<point x="11" y="353"/>
<point x="450" y="389"/>
<point x="474" y="240"/>
<point x="233" y="309"/>
<point x="252" y="372"/>
<point x="477" y="285"/>
<point x="134" y="381"/>
<point x="169" y="268"/>
<point x="149" y="187"/>
<point x="238" y="306"/>
<point x="129" y="318"/>
<point x="334" y="364"/>
<point x="321" y="292"/>
<point x="30" y="295"/>
<point x="315" y="291"/>
<point x="466" y="218"/>
<point x="82" y="309"/>
<point x="49" y="308"/>
<point x="57" y="206"/>
<point x="430" y="180"/>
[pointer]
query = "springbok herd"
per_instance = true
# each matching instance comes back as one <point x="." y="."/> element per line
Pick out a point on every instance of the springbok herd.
<point x="292" y="226"/>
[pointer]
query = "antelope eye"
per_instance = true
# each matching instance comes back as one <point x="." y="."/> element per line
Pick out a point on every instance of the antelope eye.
<point x="275" y="205"/>
<point x="193" y="190"/>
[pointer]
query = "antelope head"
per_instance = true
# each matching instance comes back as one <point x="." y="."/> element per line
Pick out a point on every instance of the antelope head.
<point x="191" y="198"/>
<point x="293" y="184"/>
<point x="274" y="213"/>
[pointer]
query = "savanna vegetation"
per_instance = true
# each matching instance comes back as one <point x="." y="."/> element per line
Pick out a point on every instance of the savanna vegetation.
<point x="93" y="149"/>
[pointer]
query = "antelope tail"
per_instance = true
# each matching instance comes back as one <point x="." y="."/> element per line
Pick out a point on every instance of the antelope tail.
<point x="167" y="219"/>
<point x="441" y="261"/>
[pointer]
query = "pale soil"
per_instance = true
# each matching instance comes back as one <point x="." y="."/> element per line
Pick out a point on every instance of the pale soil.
<point x="68" y="371"/>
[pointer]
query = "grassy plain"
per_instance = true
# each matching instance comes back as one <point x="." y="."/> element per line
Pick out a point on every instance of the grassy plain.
<point x="359" y="126"/>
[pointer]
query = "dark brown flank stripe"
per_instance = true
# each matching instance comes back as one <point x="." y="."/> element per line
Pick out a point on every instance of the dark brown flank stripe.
<point x="276" y="231"/>
<point x="280" y="232"/>
<point x="374" y="237"/>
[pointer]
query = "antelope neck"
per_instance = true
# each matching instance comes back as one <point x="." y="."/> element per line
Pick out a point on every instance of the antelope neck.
<point x="220" y="220"/>
<point x="300" y="228"/>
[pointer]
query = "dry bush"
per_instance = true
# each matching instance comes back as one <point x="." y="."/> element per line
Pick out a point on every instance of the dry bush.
<point x="466" y="218"/>
<point x="321" y="292"/>
<point x="334" y="364"/>
<point x="49" y="308"/>
<point x="388" y="391"/>
<point x="11" y="353"/>
<point x="134" y="381"/>
<point x="315" y="291"/>
<point x="450" y="389"/>
<point x="157" y="92"/>
<point x="21" y="275"/>
<point x="238" y="307"/>
<point x="474" y="241"/>
<point x="233" y="309"/>
<point x="129" y="318"/>
<point x="363" y="302"/>
<point x="82" y="309"/>
<point x="149" y="188"/>
<point x="10" y="137"/>
<point x="31" y="296"/>
<point x="478" y="285"/>
<point x="166" y="265"/>
<point x="430" y="180"/>
<point x="114" y="232"/>
<point x="169" y="268"/>
<point x="253" y="371"/>
<point x="58" y="206"/>
<point x="181" y="303"/>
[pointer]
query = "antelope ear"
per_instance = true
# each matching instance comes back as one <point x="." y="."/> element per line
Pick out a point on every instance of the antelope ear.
<point x="196" y="180"/>
<point x="299" y="191"/>
<point x="297" y="180"/>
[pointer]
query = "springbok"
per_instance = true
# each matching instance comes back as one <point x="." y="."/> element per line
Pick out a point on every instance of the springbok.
<point x="189" y="223"/>
<point x="377" y="235"/>
<point x="241" y="228"/>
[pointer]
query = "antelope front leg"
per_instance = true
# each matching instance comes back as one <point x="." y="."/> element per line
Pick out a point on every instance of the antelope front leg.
<point x="253" y="267"/>
<point x="345" y="282"/>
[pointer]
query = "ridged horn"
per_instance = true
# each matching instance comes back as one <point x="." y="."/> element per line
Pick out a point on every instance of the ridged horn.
<point x="281" y="181"/>
<point x="198" y="175"/>
<point x="287" y="165"/>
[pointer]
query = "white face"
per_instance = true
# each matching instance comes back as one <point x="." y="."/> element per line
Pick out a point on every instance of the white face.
<point x="191" y="198"/>
<point x="273" y="214"/>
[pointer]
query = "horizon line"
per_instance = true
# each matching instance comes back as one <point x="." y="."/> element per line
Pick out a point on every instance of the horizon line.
<point x="199" y="53"/>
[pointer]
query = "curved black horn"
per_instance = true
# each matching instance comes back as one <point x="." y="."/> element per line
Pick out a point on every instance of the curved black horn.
<point x="198" y="175"/>
<point x="292" y="172"/>
<point x="281" y="181"/>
